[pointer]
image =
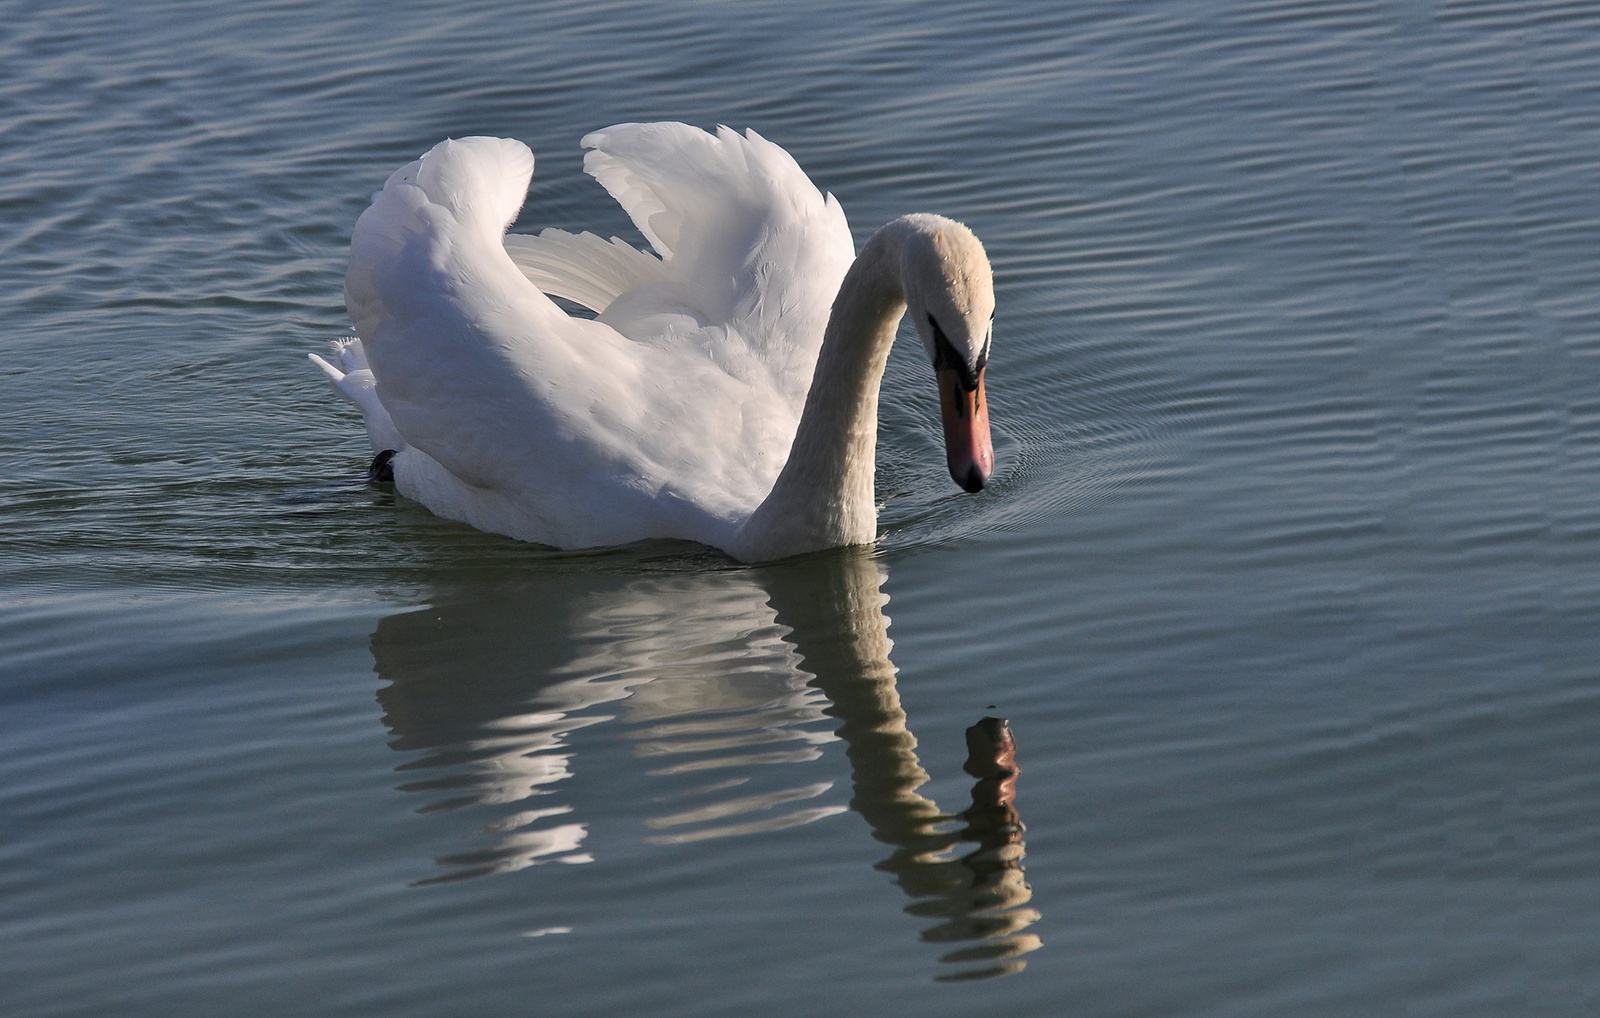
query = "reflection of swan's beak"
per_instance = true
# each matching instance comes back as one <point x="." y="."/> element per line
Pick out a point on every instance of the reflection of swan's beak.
<point x="966" y="430"/>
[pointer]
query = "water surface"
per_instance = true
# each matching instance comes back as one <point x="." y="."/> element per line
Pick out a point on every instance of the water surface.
<point x="1287" y="582"/>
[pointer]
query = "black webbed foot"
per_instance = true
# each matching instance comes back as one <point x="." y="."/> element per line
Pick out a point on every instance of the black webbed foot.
<point x="381" y="471"/>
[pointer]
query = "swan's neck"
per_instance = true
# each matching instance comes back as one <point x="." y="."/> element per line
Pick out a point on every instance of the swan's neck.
<point x="823" y="498"/>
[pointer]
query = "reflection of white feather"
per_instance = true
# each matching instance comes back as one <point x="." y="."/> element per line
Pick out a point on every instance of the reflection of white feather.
<point x="726" y="686"/>
<point x="711" y="697"/>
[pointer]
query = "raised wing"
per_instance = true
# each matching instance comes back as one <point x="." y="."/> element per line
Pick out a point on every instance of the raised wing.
<point x="668" y="416"/>
<point x="563" y="424"/>
<point x="745" y="238"/>
<point x="582" y="267"/>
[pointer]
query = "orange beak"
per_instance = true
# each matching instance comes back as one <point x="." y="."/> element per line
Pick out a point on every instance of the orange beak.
<point x="966" y="430"/>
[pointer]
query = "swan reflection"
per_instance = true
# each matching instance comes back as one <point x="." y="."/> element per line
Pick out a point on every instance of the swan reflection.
<point x="725" y="687"/>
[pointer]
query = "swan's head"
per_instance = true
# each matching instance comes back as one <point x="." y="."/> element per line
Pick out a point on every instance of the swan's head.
<point x="949" y="291"/>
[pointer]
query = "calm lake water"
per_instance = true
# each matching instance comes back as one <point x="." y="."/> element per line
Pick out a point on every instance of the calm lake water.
<point x="1288" y="582"/>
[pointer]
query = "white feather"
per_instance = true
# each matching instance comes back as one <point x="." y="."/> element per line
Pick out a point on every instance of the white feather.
<point x="668" y="417"/>
<point x="581" y="267"/>
<point x="673" y="413"/>
<point x="357" y="384"/>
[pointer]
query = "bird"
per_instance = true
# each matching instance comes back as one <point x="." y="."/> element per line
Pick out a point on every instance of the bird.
<point x="720" y="388"/>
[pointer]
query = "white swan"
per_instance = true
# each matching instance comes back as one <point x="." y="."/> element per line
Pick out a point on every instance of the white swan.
<point x="715" y="398"/>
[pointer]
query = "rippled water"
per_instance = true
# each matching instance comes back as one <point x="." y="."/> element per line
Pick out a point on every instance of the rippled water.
<point x="1289" y="581"/>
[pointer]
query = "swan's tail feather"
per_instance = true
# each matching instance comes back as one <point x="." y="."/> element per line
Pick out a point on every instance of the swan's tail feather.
<point x="352" y="354"/>
<point x="355" y="382"/>
<point x="582" y="267"/>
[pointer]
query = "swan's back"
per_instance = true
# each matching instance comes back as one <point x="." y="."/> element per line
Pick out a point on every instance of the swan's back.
<point x="670" y="414"/>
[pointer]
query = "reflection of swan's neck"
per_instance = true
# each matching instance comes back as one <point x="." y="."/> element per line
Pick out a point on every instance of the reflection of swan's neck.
<point x="823" y="498"/>
<point x="834" y="612"/>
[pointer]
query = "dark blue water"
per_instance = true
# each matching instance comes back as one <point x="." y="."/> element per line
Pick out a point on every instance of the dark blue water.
<point x="1288" y="583"/>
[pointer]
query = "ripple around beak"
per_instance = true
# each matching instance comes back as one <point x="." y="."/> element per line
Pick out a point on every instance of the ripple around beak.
<point x="968" y="450"/>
